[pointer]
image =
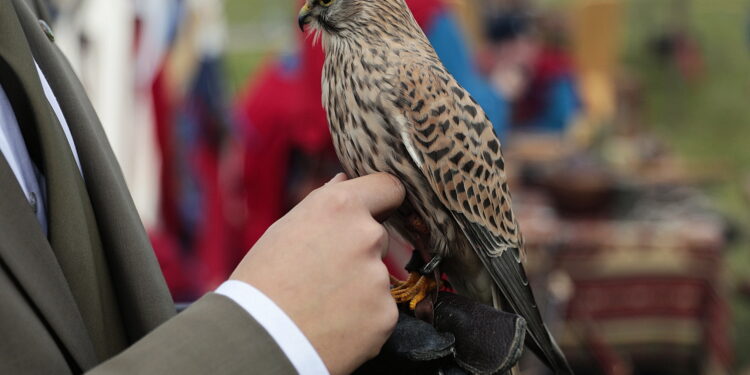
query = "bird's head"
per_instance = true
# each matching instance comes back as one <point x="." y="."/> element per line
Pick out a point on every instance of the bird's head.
<point x="341" y="17"/>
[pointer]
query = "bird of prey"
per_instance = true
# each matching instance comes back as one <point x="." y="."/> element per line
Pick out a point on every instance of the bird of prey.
<point x="392" y="107"/>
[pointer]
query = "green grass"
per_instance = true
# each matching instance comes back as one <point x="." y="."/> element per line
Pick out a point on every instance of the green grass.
<point x="238" y="11"/>
<point x="242" y="63"/>
<point x="707" y="121"/>
<point x="240" y="66"/>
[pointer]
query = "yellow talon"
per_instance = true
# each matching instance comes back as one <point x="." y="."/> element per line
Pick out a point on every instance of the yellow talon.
<point x="413" y="290"/>
<point x="417" y="299"/>
<point x="401" y="285"/>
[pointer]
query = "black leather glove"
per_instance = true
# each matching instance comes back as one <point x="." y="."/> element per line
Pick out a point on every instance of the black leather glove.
<point x="467" y="338"/>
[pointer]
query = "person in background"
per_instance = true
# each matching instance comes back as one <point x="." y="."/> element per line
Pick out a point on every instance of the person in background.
<point x="534" y="70"/>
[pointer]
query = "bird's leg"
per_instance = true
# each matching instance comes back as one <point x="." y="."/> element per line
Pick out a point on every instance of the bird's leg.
<point x="417" y="287"/>
<point x="421" y="281"/>
<point x="414" y="290"/>
<point x="432" y="265"/>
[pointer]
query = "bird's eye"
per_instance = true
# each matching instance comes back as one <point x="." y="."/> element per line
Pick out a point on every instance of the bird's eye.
<point x="325" y="3"/>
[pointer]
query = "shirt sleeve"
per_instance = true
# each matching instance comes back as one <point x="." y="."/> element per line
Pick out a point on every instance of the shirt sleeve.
<point x="282" y="329"/>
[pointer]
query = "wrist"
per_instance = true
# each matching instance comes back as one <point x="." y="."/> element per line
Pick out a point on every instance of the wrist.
<point x="280" y="326"/>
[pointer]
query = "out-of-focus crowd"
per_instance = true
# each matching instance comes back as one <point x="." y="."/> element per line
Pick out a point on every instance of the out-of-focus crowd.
<point x="624" y="250"/>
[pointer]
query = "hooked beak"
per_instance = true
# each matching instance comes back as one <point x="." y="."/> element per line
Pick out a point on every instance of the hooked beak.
<point x="304" y="16"/>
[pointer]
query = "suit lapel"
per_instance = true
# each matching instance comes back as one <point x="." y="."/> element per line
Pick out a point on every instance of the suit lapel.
<point x="29" y="258"/>
<point x="24" y="248"/>
<point x="141" y="291"/>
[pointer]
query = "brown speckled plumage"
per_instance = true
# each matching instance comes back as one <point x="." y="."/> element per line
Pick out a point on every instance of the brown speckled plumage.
<point x="393" y="107"/>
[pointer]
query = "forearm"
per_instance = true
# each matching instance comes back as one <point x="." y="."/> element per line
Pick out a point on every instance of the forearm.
<point x="214" y="336"/>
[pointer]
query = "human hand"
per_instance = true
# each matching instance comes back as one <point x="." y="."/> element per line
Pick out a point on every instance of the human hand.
<point x="321" y="264"/>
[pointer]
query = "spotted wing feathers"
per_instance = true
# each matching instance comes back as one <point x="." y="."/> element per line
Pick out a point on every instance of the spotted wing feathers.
<point x="459" y="148"/>
<point x="460" y="155"/>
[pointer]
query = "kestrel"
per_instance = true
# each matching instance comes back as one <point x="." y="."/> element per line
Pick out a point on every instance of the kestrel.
<point x="392" y="107"/>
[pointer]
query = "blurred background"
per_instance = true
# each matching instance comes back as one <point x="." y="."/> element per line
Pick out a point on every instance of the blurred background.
<point x="625" y="125"/>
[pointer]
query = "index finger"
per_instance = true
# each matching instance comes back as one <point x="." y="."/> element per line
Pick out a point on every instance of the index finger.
<point x="381" y="193"/>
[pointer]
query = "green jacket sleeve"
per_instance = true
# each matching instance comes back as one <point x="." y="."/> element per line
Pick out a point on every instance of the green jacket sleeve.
<point x="213" y="336"/>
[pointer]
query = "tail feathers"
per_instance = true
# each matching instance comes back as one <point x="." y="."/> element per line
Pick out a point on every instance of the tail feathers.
<point x="553" y="357"/>
<point x="506" y="270"/>
<point x="554" y="360"/>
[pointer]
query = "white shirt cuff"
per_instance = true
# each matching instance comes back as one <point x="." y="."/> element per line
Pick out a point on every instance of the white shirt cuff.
<point x="282" y="329"/>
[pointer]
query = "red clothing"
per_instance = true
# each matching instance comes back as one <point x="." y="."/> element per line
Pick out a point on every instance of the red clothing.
<point x="425" y="11"/>
<point x="191" y="239"/>
<point x="551" y="65"/>
<point x="279" y="112"/>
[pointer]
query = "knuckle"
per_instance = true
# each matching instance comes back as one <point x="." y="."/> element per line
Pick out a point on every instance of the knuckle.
<point x="388" y="307"/>
<point x="317" y="191"/>
<point x="338" y="200"/>
<point x="381" y="233"/>
<point x="314" y="197"/>
<point x="387" y="321"/>
<point x="320" y="190"/>
<point x="384" y="276"/>
<point x="391" y="315"/>
<point x="374" y="351"/>
<point x="331" y="199"/>
<point x="376" y="234"/>
<point x="380" y="279"/>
